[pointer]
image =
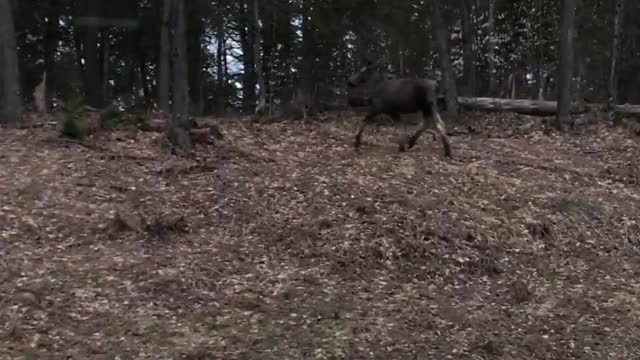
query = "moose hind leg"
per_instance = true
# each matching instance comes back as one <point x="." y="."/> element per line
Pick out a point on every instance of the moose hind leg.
<point x="413" y="139"/>
<point x="443" y="133"/>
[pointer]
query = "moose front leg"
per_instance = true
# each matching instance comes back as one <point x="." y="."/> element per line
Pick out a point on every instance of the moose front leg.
<point x="410" y="141"/>
<point x="403" y="139"/>
<point x="358" y="140"/>
<point x="361" y="126"/>
<point x="413" y="139"/>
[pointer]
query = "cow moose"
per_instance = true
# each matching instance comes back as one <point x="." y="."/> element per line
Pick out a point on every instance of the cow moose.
<point x="394" y="96"/>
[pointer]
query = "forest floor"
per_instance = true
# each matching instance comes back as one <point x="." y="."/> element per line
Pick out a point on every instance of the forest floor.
<point x="282" y="242"/>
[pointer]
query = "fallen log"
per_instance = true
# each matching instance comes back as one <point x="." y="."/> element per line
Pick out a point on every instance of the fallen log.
<point x="201" y="131"/>
<point x="521" y="106"/>
<point x="626" y="109"/>
<point x="201" y="136"/>
<point x="538" y="107"/>
<point x="154" y="125"/>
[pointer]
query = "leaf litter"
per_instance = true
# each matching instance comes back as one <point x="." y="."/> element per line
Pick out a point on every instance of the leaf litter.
<point x="283" y="242"/>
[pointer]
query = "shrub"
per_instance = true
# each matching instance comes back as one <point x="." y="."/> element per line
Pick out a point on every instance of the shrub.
<point x="74" y="119"/>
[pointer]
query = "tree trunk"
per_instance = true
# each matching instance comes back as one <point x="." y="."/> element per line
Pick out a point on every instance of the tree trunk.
<point x="440" y="32"/>
<point x="225" y="66"/>
<point x="543" y="77"/>
<point x="92" y="68"/>
<point x="79" y="9"/>
<point x="221" y="93"/>
<point x="219" y="53"/>
<point x="540" y="76"/>
<point x="615" y="54"/>
<point x="144" y="79"/>
<point x="11" y="106"/>
<point x="306" y="88"/>
<point x="165" y="60"/>
<point x="580" y="79"/>
<point x="106" y="48"/>
<point x="51" y="48"/>
<point x="567" y="29"/>
<point x="257" y="41"/>
<point x="505" y="86"/>
<point x="248" y="76"/>
<point x="467" y="48"/>
<point x="538" y="92"/>
<point x="179" y="131"/>
<point x="268" y="43"/>
<point x="229" y="90"/>
<point x="132" y="69"/>
<point x="491" y="48"/>
<point x="195" y="32"/>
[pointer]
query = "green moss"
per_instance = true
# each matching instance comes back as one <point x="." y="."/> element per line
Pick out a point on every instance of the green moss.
<point x="112" y="117"/>
<point x="74" y="118"/>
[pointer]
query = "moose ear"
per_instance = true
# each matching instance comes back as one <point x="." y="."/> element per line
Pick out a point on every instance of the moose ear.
<point x="369" y="61"/>
<point x="375" y="65"/>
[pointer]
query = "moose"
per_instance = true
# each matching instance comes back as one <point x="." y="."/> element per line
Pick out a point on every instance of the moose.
<point x="394" y="96"/>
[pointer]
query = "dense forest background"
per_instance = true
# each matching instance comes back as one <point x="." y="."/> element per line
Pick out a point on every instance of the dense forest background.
<point x="113" y="52"/>
<point x="192" y="179"/>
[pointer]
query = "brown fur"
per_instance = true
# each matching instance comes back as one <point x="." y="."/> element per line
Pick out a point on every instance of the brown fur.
<point x="393" y="96"/>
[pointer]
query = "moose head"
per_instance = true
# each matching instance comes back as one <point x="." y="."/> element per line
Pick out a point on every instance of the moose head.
<point x="366" y="73"/>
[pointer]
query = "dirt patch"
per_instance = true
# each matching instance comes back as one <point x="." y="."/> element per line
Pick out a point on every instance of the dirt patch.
<point x="283" y="242"/>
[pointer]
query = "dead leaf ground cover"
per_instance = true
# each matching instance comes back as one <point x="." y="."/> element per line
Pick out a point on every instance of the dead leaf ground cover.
<point x="283" y="243"/>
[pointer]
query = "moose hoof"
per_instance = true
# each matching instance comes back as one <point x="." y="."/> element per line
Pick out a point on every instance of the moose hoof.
<point x="412" y="143"/>
<point x="401" y="147"/>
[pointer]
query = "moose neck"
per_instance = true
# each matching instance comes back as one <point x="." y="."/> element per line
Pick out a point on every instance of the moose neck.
<point x="379" y="78"/>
